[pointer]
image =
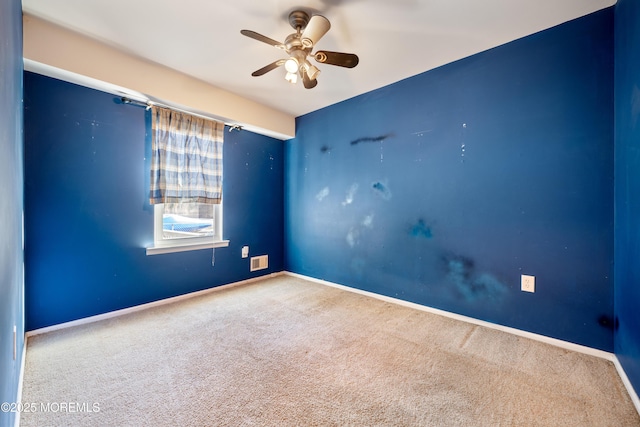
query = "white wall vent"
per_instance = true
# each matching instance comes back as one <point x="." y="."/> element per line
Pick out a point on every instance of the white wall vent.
<point x="259" y="262"/>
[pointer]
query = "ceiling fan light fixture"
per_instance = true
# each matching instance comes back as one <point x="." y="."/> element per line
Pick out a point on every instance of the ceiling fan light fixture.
<point x="312" y="70"/>
<point x="299" y="46"/>
<point x="291" y="65"/>
<point x="316" y="28"/>
<point x="291" y="78"/>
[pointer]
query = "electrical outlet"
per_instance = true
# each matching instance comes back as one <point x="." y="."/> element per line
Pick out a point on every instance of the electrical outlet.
<point x="528" y="283"/>
<point x="245" y="251"/>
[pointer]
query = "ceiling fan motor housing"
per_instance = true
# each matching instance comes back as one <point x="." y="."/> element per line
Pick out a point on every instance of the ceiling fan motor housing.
<point x="299" y="19"/>
<point x="292" y="42"/>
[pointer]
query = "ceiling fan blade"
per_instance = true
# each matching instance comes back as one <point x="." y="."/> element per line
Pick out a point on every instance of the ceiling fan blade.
<point x="316" y="28"/>
<point x="308" y="82"/>
<point x="348" y="60"/>
<point x="261" y="38"/>
<point x="267" y="68"/>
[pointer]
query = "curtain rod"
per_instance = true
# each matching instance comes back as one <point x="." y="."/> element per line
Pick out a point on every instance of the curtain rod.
<point x="149" y="104"/>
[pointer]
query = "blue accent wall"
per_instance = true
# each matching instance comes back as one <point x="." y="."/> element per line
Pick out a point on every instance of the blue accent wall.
<point x="88" y="219"/>
<point x="442" y="189"/>
<point x="627" y="187"/>
<point x="11" y="181"/>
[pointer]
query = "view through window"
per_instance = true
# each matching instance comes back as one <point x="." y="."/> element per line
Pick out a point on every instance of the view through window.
<point x="187" y="220"/>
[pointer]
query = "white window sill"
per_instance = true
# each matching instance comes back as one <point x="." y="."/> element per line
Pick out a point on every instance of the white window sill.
<point x="177" y="247"/>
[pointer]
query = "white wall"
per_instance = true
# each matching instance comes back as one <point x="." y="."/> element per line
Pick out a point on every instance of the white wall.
<point x="70" y="56"/>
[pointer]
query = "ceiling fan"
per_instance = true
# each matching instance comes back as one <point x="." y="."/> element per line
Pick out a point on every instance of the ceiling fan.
<point x="299" y="45"/>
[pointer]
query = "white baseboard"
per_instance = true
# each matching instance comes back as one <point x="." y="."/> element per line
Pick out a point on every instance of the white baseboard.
<point x="21" y="381"/>
<point x="627" y="383"/>
<point x="542" y="338"/>
<point x="146" y="306"/>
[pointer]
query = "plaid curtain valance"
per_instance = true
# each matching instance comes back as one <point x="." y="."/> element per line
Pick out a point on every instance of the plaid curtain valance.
<point x="186" y="162"/>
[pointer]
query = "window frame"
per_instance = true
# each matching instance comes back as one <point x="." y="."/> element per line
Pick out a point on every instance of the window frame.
<point x="164" y="246"/>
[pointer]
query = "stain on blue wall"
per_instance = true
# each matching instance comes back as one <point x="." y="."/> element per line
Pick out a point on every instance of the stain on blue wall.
<point x="627" y="188"/>
<point x="87" y="216"/>
<point x="11" y="156"/>
<point x="371" y="139"/>
<point x="420" y="229"/>
<point x="506" y="156"/>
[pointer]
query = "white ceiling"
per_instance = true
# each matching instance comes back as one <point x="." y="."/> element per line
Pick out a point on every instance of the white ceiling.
<point x="393" y="39"/>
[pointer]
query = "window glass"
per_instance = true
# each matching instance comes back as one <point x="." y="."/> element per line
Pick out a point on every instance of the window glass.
<point x="187" y="220"/>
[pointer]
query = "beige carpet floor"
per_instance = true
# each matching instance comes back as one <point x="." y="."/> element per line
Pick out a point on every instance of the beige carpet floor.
<point x="287" y="352"/>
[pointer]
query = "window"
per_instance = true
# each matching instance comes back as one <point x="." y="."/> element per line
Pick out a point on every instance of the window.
<point x="186" y="226"/>
<point x="186" y="182"/>
<point x="187" y="220"/>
